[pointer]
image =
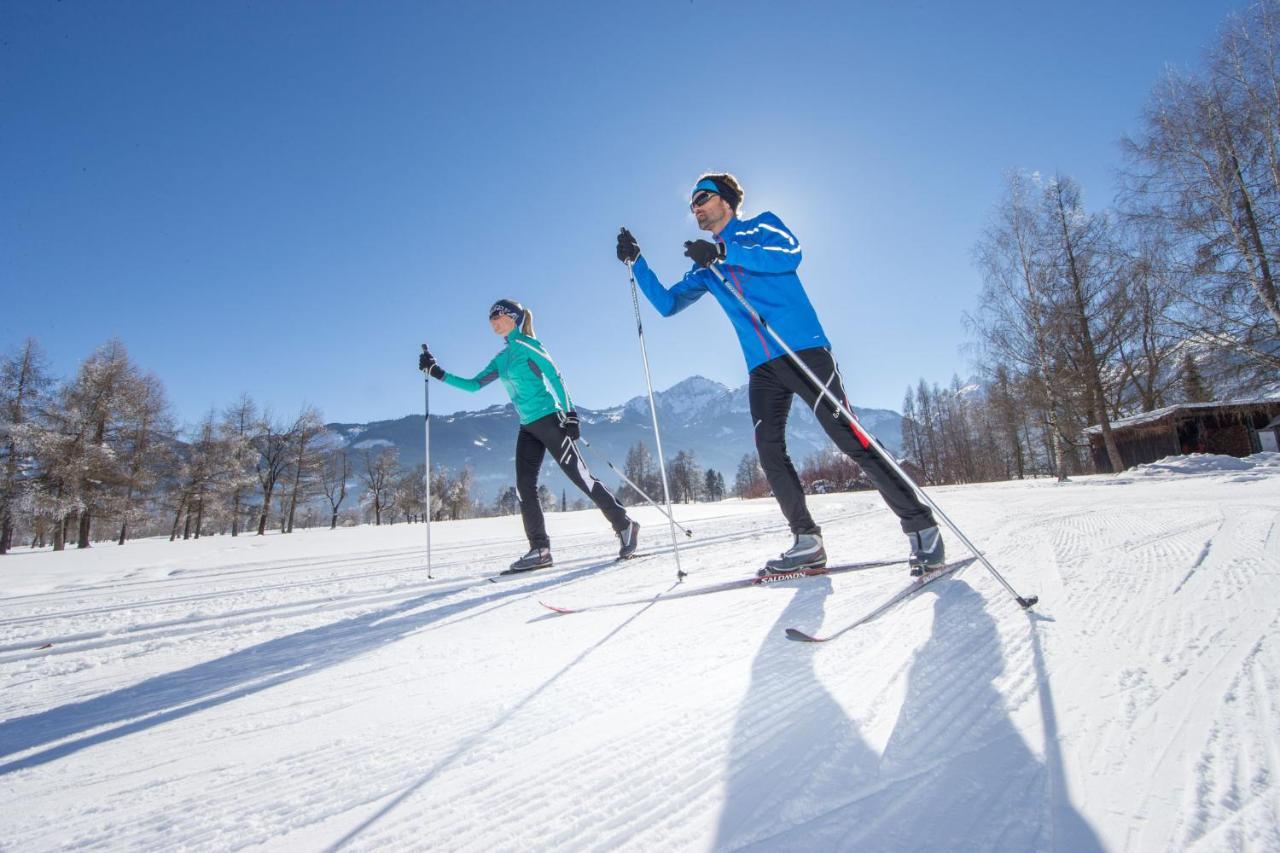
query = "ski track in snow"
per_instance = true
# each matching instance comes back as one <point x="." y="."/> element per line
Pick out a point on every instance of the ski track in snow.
<point x="318" y="691"/>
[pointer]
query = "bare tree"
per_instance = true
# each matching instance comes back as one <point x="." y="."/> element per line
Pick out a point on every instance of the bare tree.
<point x="1206" y="169"/>
<point x="508" y="502"/>
<point x="334" y="473"/>
<point x="440" y="485"/>
<point x="685" y="477"/>
<point x="24" y="381"/>
<point x="458" y="497"/>
<point x="831" y="470"/>
<point x="379" y="473"/>
<point x="144" y="453"/>
<point x="411" y="494"/>
<point x="1006" y="409"/>
<point x="1080" y="254"/>
<point x="304" y="457"/>
<point x="203" y="464"/>
<point x="1153" y="309"/>
<point x="237" y="431"/>
<point x="1019" y="319"/>
<point x="273" y="443"/>
<point x="750" y="482"/>
<point x="77" y="448"/>
<point x="642" y="470"/>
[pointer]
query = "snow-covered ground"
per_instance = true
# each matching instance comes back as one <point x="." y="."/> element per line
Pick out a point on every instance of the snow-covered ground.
<point x="318" y="691"/>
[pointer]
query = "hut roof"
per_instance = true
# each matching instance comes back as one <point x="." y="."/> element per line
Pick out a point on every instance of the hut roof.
<point x="1169" y="412"/>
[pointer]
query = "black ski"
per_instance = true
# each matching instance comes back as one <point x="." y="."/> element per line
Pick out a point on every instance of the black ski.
<point x="740" y="583"/>
<point x="911" y="589"/>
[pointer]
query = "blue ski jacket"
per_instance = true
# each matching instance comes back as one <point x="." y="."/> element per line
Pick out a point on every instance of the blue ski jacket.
<point x="760" y="259"/>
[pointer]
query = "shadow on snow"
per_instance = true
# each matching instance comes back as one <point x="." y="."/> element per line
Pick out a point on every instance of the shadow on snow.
<point x="206" y="685"/>
<point x="955" y="772"/>
<point x="469" y="743"/>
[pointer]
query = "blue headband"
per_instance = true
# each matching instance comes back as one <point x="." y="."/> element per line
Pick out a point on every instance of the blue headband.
<point x="705" y="184"/>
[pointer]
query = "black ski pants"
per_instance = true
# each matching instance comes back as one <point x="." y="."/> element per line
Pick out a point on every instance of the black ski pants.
<point x="772" y="386"/>
<point x="532" y="444"/>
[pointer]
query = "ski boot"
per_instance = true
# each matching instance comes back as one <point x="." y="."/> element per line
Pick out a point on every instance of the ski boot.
<point x="806" y="556"/>
<point x="629" y="539"/>
<point x="928" y="554"/>
<point x="537" y="558"/>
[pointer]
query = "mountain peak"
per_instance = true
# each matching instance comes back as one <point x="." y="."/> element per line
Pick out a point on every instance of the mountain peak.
<point x="697" y="385"/>
<point x="685" y="399"/>
<point x="690" y="397"/>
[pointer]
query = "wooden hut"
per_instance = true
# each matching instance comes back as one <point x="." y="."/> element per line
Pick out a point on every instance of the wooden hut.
<point x="1269" y="435"/>
<point x="1232" y="428"/>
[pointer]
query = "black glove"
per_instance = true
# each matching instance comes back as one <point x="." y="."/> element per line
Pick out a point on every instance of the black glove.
<point x="703" y="252"/>
<point x="427" y="362"/>
<point x="628" y="248"/>
<point x="569" y="420"/>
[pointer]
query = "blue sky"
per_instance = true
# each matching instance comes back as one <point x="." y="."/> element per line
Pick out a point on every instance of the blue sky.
<point x="287" y="198"/>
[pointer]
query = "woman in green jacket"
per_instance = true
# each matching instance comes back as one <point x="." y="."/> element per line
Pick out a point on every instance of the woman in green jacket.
<point x="547" y="422"/>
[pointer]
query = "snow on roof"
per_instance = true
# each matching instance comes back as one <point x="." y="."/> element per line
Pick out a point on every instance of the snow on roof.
<point x="1157" y="415"/>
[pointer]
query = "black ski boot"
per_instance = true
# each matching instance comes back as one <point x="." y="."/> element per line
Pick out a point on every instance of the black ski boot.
<point x="537" y="558"/>
<point x="807" y="554"/>
<point x="928" y="554"/>
<point x="629" y="539"/>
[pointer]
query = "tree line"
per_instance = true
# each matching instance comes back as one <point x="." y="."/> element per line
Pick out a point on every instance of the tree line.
<point x="100" y="457"/>
<point x="1088" y="316"/>
<point x="826" y="471"/>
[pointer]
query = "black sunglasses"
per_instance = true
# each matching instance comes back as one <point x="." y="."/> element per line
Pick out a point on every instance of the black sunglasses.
<point x="701" y="198"/>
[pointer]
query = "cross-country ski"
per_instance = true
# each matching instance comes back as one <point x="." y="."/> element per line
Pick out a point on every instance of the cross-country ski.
<point x="678" y="592"/>
<point x="915" y="586"/>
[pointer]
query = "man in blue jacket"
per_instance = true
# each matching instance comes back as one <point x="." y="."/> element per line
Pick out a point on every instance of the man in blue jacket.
<point x="758" y="258"/>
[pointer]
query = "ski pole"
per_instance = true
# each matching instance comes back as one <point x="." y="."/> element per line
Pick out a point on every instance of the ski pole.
<point x="866" y="438"/>
<point x="639" y="491"/>
<point x="426" y="465"/>
<point x="653" y="410"/>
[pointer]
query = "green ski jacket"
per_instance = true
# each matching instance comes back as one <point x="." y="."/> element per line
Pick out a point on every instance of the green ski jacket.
<point x="529" y="375"/>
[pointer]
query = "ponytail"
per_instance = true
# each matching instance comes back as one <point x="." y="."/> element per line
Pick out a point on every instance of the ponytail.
<point x="526" y="328"/>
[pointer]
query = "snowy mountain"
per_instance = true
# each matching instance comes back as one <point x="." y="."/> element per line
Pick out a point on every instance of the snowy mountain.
<point x="697" y="414"/>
